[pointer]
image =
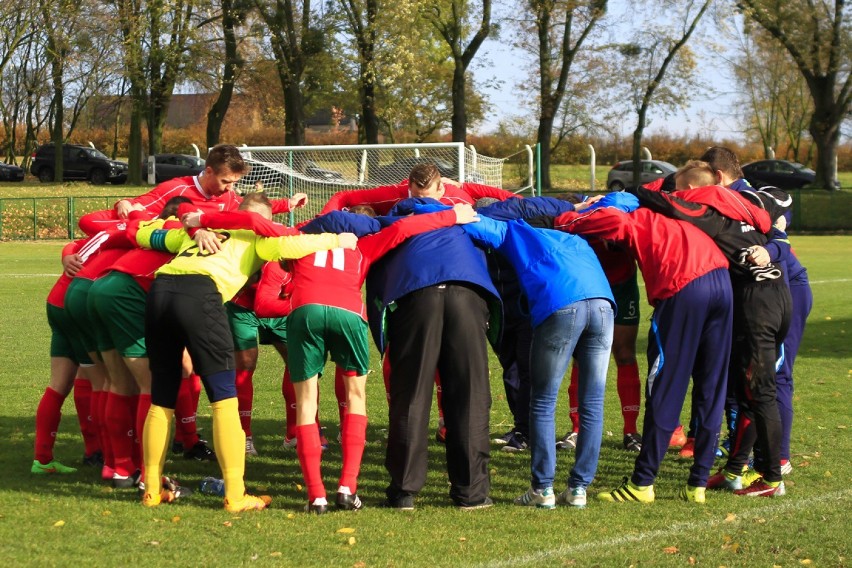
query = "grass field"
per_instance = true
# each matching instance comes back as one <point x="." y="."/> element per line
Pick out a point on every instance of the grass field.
<point x="76" y="519"/>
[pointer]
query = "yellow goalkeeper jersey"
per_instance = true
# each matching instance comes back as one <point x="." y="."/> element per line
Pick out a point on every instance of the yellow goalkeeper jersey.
<point x="243" y="253"/>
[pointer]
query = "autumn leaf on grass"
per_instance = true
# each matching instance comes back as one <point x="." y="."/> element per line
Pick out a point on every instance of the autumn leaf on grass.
<point x="351" y="540"/>
<point x="346" y="530"/>
<point x="59" y="524"/>
<point x="670" y="550"/>
<point x="730" y="518"/>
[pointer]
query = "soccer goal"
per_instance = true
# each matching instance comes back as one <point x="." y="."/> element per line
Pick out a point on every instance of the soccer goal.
<point x="321" y="171"/>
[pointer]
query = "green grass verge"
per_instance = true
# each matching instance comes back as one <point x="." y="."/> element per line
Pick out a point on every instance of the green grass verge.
<point x="74" y="519"/>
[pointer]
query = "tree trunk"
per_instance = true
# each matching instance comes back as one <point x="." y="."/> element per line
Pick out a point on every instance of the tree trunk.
<point x="134" y="144"/>
<point x="217" y="112"/>
<point x="369" y="117"/>
<point x="56" y="131"/>
<point x="459" y="120"/>
<point x="825" y="131"/>
<point x="636" y="154"/>
<point x="545" y="134"/>
<point x="294" y="115"/>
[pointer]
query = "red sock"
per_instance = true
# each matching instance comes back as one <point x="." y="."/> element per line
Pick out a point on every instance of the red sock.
<point x="83" y="404"/>
<point x="48" y="415"/>
<point x="340" y="394"/>
<point x="142" y="407"/>
<point x="186" y="408"/>
<point x="245" y="394"/>
<point x="310" y="455"/>
<point x="573" y="399"/>
<point x="120" y="414"/>
<point x="99" y="400"/>
<point x="386" y="371"/>
<point x="195" y="390"/>
<point x="629" y="388"/>
<point x="353" y="438"/>
<point x="289" y="395"/>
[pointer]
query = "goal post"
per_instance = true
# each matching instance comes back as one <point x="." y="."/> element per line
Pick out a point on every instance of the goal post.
<point x="322" y="171"/>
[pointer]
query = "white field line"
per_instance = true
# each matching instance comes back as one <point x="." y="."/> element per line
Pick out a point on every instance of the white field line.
<point x="784" y="505"/>
<point x="56" y="275"/>
<point x="29" y="275"/>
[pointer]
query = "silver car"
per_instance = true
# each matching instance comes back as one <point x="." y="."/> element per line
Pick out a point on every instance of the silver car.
<point x="621" y="175"/>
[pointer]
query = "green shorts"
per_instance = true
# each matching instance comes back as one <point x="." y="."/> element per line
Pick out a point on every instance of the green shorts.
<point x="248" y="329"/>
<point x="64" y="340"/>
<point x="77" y="307"/>
<point x="627" y="301"/>
<point x="316" y="330"/>
<point x="117" y="306"/>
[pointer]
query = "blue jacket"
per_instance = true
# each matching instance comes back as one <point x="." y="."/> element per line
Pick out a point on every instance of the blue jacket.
<point x="555" y="268"/>
<point x="442" y="255"/>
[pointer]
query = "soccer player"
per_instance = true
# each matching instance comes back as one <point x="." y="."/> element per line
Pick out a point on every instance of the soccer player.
<point x="434" y="290"/>
<point x="67" y="356"/>
<point x="329" y="315"/>
<point x="185" y="309"/>
<point x="762" y="307"/>
<point x="687" y="284"/>
<point x="571" y="311"/>
<point x="620" y="269"/>
<point x="725" y="164"/>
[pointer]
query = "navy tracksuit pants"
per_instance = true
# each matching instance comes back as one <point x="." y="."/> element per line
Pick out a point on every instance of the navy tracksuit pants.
<point x="690" y="335"/>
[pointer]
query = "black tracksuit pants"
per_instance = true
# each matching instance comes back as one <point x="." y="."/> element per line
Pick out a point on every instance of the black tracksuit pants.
<point x="439" y="327"/>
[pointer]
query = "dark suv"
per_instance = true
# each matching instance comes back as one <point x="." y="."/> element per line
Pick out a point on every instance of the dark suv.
<point x="78" y="162"/>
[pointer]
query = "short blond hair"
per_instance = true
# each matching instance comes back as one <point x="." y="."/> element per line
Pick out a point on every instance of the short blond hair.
<point x="694" y="174"/>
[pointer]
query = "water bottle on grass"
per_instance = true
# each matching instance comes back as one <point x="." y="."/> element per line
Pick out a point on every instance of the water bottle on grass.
<point x="213" y="486"/>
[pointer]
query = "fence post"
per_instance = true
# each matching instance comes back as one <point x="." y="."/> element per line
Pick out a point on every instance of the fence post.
<point x="592" y="164"/>
<point x="70" y="219"/>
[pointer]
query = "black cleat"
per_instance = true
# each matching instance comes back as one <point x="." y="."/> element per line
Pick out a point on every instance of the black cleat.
<point x="347" y="502"/>
<point x="200" y="452"/>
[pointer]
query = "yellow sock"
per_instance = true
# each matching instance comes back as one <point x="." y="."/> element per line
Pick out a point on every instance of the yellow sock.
<point x="155" y="437"/>
<point x="230" y="442"/>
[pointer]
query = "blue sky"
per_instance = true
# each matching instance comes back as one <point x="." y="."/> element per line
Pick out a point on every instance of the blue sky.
<point x="503" y="62"/>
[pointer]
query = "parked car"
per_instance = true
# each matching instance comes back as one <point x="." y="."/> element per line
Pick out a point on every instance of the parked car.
<point x="169" y="166"/>
<point x="782" y="174"/>
<point x="78" y="163"/>
<point x="313" y="170"/>
<point x="11" y="172"/>
<point x="621" y="175"/>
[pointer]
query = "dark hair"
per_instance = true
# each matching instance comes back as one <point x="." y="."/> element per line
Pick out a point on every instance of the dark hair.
<point x="227" y="156"/>
<point x="363" y="210"/>
<point x="255" y="198"/>
<point x="171" y="207"/>
<point x="422" y="175"/>
<point x="724" y="160"/>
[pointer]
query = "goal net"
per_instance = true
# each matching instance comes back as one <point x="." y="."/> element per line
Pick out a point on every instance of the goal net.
<point x="321" y="171"/>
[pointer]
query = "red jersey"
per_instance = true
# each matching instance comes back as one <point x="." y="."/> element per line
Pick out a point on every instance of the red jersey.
<point x="670" y="253"/>
<point x="89" y="250"/>
<point x="189" y="187"/>
<point x="334" y="278"/>
<point x="272" y="297"/>
<point x="141" y="264"/>
<point x="383" y="198"/>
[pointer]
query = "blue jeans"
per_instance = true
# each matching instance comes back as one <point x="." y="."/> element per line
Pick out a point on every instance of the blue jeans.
<point x="582" y="329"/>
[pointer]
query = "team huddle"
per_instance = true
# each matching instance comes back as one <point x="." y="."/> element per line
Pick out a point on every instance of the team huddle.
<point x="176" y="288"/>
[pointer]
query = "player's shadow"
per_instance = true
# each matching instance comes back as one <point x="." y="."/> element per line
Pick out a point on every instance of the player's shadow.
<point x="275" y="471"/>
